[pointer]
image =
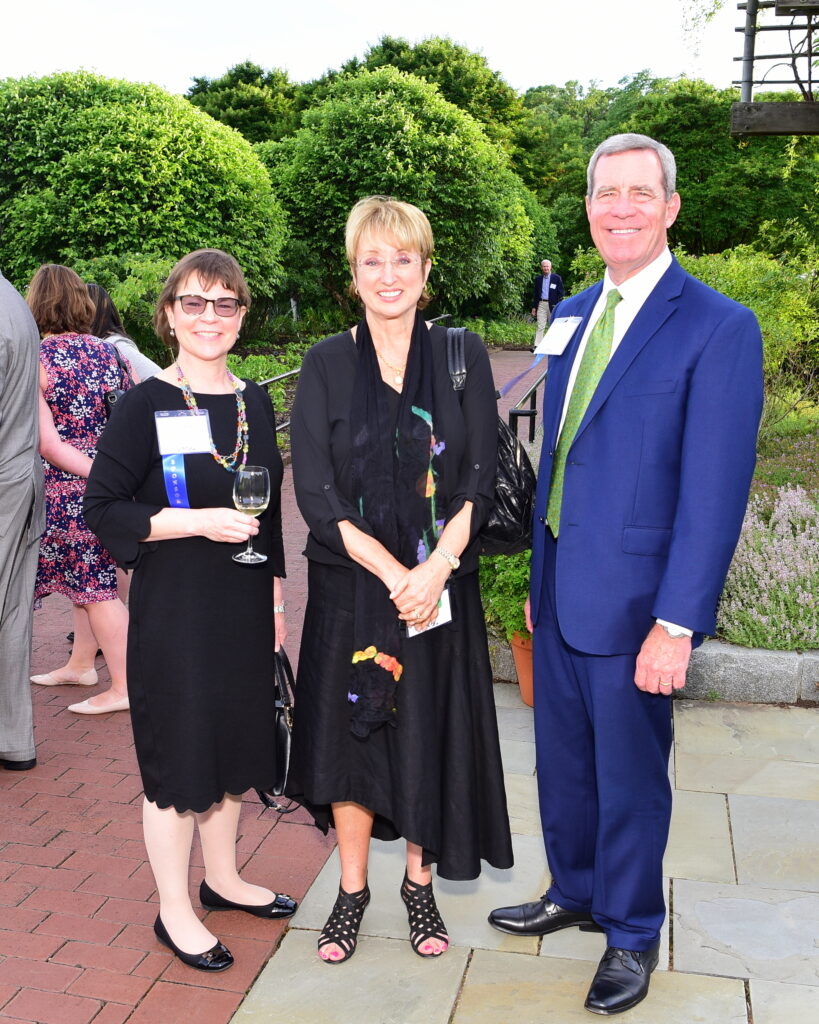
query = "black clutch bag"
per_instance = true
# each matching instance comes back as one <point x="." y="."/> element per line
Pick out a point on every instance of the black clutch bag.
<point x="283" y="689"/>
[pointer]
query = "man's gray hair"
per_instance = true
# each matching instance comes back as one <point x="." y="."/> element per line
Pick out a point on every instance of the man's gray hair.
<point x="630" y="140"/>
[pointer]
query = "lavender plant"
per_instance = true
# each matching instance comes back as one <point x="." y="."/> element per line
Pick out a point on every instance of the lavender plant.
<point x="771" y="596"/>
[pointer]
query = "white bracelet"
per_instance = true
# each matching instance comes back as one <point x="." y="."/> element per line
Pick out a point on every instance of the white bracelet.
<point x="278" y="609"/>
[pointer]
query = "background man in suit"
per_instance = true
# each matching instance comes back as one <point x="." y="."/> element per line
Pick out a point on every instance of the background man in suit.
<point x="546" y="293"/>
<point x="650" y="422"/>
<point x="21" y="522"/>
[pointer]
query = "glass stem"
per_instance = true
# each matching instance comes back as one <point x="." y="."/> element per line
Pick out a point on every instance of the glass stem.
<point x="250" y="545"/>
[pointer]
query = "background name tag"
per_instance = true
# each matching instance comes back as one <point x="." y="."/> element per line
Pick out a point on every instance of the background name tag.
<point x="558" y="336"/>
<point x="183" y="431"/>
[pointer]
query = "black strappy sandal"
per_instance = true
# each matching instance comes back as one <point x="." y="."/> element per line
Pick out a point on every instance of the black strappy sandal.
<point x="343" y="923"/>
<point x="424" y="920"/>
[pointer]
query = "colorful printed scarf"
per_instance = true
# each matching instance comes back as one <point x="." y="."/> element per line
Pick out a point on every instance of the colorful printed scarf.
<point x="394" y="476"/>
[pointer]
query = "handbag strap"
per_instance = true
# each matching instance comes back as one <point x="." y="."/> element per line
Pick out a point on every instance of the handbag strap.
<point x="283" y="676"/>
<point x="455" y="359"/>
<point x="123" y="366"/>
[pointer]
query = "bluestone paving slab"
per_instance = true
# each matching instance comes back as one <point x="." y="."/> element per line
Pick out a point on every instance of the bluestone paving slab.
<point x="776" y="842"/>
<point x="507" y="695"/>
<point x="699" y="843"/>
<point x="746" y="931"/>
<point x="516" y="724"/>
<point x="775" y="1003"/>
<point x="522" y="802"/>
<point x="750" y="776"/>
<point x="384" y="983"/>
<point x="464" y="906"/>
<point x="504" y="988"/>
<point x="518" y="757"/>
<point x="752" y="731"/>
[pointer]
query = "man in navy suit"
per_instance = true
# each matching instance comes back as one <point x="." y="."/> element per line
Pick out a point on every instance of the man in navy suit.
<point x="546" y="293"/>
<point x="629" y="563"/>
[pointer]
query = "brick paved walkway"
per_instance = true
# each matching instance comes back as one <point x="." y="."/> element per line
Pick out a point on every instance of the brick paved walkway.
<point x="77" y="897"/>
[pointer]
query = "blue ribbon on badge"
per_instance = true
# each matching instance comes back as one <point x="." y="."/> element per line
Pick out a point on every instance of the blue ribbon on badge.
<point x="173" y="467"/>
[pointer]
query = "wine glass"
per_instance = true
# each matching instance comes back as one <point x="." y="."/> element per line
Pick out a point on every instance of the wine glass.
<point x="251" y="495"/>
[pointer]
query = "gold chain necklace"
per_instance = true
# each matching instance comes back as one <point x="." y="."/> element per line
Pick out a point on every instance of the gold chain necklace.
<point x="397" y="370"/>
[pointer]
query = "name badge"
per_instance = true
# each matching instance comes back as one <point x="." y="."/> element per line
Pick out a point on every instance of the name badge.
<point x="183" y="431"/>
<point x="558" y="336"/>
<point x="444" y="615"/>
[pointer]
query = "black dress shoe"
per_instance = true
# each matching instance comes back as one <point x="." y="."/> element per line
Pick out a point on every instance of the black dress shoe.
<point x="281" y="906"/>
<point x="19" y="766"/>
<point x="622" y="979"/>
<point x="540" y="918"/>
<point x="218" y="958"/>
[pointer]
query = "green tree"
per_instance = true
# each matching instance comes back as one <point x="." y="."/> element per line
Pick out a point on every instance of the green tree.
<point x="260" y="104"/>
<point x="464" y="78"/>
<point x="386" y="132"/>
<point x="126" y="178"/>
<point x="729" y="186"/>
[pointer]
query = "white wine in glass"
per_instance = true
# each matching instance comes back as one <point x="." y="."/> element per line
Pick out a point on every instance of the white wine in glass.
<point x="251" y="495"/>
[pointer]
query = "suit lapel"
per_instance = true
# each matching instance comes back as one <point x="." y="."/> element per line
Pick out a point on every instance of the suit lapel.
<point x="657" y="308"/>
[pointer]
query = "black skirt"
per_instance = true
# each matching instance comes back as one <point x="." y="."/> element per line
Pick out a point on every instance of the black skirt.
<point x="436" y="779"/>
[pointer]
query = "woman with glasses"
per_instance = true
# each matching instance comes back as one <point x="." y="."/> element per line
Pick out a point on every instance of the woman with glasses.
<point x="203" y="626"/>
<point x="395" y="733"/>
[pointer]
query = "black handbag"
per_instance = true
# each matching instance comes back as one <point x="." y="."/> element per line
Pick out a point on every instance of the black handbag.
<point x="508" y="529"/>
<point x="283" y="689"/>
<point x="113" y="396"/>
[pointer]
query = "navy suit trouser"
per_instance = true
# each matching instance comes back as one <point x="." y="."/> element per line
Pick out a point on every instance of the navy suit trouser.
<point x="602" y="769"/>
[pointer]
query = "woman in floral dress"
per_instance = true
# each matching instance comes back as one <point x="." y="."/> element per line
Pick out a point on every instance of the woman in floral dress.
<point x="76" y="370"/>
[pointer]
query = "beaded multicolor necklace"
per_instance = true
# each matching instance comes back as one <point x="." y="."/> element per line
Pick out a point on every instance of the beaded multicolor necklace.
<point x="228" y="462"/>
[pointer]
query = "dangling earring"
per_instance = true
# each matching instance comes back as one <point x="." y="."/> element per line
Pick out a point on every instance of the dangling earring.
<point x="173" y="332"/>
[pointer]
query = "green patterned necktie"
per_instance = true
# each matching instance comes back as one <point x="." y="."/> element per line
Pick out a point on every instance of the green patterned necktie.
<point x="595" y="359"/>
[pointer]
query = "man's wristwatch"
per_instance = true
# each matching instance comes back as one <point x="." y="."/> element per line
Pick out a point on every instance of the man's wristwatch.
<point x="675" y="632"/>
<point x="452" y="560"/>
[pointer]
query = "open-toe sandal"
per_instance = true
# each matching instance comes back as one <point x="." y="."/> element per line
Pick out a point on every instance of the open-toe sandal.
<point x="343" y="923"/>
<point x="424" y="920"/>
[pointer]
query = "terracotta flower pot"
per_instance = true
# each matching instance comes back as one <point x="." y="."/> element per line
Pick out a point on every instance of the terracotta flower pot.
<point x="521" y="644"/>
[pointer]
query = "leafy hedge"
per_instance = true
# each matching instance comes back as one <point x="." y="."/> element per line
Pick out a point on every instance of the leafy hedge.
<point x="119" y="180"/>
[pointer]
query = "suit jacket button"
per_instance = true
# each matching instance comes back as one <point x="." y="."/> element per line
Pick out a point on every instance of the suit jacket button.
<point x="542" y="519"/>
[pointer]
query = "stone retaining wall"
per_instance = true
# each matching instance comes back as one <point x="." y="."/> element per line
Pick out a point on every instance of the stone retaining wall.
<point x="721" y="671"/>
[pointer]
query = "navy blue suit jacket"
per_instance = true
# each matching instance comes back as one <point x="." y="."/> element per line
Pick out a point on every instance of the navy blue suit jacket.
<point x="555" y="290"/>
<point x="657" y="477"/>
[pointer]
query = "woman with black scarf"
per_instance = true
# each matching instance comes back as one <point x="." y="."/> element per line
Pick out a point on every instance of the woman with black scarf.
<point x="395" y="733"/>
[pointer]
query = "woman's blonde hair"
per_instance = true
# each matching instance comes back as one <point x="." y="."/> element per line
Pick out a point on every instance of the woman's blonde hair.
<point x="59" y="301"/>
<point x="210" y="265"/>
<point x="383" y="215"/>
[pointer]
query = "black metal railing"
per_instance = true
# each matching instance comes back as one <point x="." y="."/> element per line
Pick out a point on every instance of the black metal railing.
<point x="518" y="411"/>
<point x="275" y="380"/>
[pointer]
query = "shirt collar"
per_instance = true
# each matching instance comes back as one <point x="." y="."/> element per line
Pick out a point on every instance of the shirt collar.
<point x="638" y="288"/>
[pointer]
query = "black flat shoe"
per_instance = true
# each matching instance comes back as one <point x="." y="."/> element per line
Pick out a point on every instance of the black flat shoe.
<point x="622" y="979"/>
<point x="19" y="766"/>
<point x="540" y="917"/>
<point x="218" y="958"/>
<point x="281" y="906"/>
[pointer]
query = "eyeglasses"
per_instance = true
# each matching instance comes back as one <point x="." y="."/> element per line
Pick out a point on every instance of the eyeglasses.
<point x="373" y="265"/>
<point x="197" y="304"/>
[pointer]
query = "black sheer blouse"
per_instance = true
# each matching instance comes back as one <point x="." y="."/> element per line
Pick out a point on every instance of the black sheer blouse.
<point x="320" y="439"/>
